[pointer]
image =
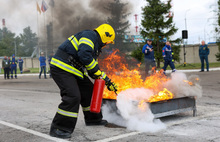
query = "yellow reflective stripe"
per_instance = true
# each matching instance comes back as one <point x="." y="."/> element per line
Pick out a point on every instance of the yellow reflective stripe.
<point x="86" y="108"/>
<point x="66" y="67"/>
<point x="67" y="113"/>
<point x="172" y="53"/>
<point x="98" y="73"/>
<point x="103" y="75"/>
<point x="86" y="41"/>
<point x="91" y="65"/>
<point x="74" y="42"/>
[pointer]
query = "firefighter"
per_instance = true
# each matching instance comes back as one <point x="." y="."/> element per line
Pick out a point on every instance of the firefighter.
<point x="167" y="53"/>
<point x="149" y="56"/>
<point x="13" y="66"/>
<point x="74" y="60"/>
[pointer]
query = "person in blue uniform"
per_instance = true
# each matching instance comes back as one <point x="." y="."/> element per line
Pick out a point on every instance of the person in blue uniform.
<point x="203" y="54"/>
<point x="13" y="66"/>
<point x="42" y="60"/>
<point x="167" y="53"/>
<point x="20" y="64"/>
<point x="75" y="59"/>
<point x="148" y="57"/>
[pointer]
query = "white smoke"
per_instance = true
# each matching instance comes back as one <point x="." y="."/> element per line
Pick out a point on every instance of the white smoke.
<point x="180" y="88"/>
<point x="131" y="116"/>
<point x="128" y="114"/>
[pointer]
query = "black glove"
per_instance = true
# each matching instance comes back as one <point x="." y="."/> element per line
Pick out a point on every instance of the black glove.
<point x="111" y="85"/>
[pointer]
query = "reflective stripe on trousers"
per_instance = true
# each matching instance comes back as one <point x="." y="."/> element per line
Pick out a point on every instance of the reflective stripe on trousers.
<point x="67" y="113"/>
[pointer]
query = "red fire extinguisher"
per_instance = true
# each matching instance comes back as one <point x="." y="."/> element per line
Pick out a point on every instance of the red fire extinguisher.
<point x="97" y="95"/>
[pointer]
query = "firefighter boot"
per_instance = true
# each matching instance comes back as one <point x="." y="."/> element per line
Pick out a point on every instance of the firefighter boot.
<point x="102" y="122"/>
<point x="54" y="132"/>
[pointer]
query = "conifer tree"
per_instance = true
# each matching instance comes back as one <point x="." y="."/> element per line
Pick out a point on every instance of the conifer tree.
<point x="7" y="42"/>
<point x="118" y="20"/>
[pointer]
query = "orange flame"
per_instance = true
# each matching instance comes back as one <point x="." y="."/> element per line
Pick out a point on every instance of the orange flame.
<point x="189" y="82"/>
<point x="142" y="105"/>
<point x="162" y="95"/>
<point x="118" y="71"/>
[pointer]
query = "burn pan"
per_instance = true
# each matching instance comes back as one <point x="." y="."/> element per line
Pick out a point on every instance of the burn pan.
<point x="163" y="108"/>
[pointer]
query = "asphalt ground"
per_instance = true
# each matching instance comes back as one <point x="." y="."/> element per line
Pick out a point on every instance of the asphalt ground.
<point x="28" y="105"/>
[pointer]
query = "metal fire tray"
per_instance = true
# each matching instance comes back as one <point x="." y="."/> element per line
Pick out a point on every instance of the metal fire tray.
<point x="165" y="108"/>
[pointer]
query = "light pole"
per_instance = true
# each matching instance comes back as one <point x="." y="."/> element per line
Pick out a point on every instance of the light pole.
<point x="185" y="18"/>
<point x="184" y="45"/>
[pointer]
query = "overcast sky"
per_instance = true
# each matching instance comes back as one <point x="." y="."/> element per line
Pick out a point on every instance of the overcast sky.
<point x="199" y="16"/>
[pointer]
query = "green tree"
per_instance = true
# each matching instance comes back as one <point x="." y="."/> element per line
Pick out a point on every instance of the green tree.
<point x="158" y="23"/>
<point x="217" y="29"/>
<point x="7" y="42"/>
<point x="137" y="53"/>
<point x="28" y="41"/>
<point x="118" y="20"/>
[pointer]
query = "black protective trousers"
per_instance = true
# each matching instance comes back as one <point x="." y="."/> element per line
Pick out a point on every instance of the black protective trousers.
<point x="73" y="91"/>
<point x="6" y="72"/>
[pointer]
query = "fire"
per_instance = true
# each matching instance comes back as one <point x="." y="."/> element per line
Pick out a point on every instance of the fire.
<point x="162" y="95"/>
<point x="118" y="70"/>
<point x="189" y="82"/>
<point x="142" y="105"/>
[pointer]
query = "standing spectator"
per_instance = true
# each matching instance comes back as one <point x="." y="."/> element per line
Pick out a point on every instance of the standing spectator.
<point x="203" y="54"/>
<point x="167" y="57"/>
<point x="148" y="56"/>
<point x="20" y="63"/>
<point x="13" y="66"/>
<point x="6" y="67"/>
<point x="50" y="57"/>
<point x="42" y="60"/>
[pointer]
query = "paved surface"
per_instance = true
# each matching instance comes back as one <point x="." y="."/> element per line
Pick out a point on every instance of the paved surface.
<point x="28" y="105"/>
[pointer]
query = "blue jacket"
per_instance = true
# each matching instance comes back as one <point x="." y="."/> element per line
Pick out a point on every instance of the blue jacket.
<point x="203" y="50"/>
<point x="20" y="62"/>
<point x="147" y="54"/>
<point x="167" y="52"/>
<point x="13" y="62"/>
<point x="42" y="60"/>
